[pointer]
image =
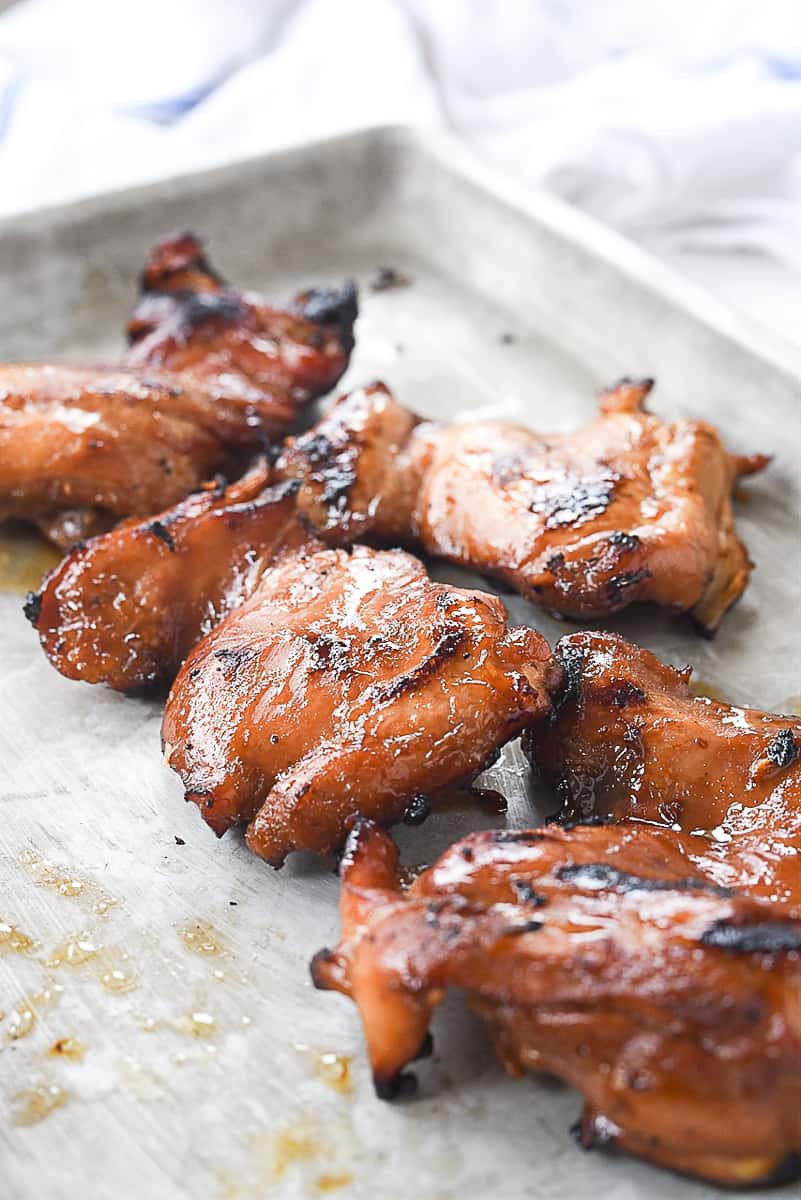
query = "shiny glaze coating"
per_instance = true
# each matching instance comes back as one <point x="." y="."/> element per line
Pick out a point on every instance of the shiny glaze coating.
<point x="211" y="373"/>
<point x="653" y="960"/>
<point x="599" y="955"/>
<point x="630" y="508"/>
<point x="257" y="364"/>
<point x="346" y="685"/>
<point x="629" y="741"/>
<point x="127" y="607"/>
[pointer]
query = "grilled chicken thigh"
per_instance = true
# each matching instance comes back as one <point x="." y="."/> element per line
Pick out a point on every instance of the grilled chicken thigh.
<point x="346" y="685"/>
<point x="628" y="509"/>
<point x="127" y="607"/>
<point x="211" y="374"/>
<point x="653" y="963"/>
<point x="630" y="741"/>
<point x="599" y="955"/>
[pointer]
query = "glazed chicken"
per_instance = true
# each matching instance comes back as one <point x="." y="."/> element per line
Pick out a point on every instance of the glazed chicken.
<point x="654" y="963"/>
<point x="628" y="509"/>
<point x="631" y="742"/>
<point x="126" y="607"/>
<point x="211" y="374"/>
<point x="348" y="684"/>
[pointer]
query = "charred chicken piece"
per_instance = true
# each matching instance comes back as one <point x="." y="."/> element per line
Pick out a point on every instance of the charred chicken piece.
<point x="654" y="962"/>
<point x="211" y="375"/>
<point x="599" y="955"/>
<point x="630" y="508"/>
<point x="127" y="607"/>
<point x="348" y="684"/>
<point x="258" y="364"/>
<point x="630" y="741"/>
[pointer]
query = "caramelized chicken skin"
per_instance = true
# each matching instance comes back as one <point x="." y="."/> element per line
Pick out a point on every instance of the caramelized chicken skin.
<point x="211" y="374"/>
<point x="127" y="607"/>
<point x="630" y="508"/>
<point x="655" y="962"/>
<point x="630" y="741"/>
<point x="346" y="685"/>
<point x="601" y="956"/>
<point x="258" y="364"/>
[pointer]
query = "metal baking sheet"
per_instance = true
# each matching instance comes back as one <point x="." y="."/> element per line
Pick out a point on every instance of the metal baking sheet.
<point x="208" y="1068"/>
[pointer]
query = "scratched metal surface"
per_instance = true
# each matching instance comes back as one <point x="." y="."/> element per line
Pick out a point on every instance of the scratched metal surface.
<point x="207" y="1066"/>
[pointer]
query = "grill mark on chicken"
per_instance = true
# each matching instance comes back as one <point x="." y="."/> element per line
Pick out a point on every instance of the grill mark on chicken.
<point x="573" y="499"/>
<point x="783" y="750"/>
<point x="766" y="937"/>
<point x="602" y="876"/>
<point x="445" y="648"/>
<point x="159" y="530"/>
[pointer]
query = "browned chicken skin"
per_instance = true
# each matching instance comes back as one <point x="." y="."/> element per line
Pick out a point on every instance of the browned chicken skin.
<point x="346" y="685"/>
<point x="127" y="607"/>
<point x="630" y="741"/>
<point x="629" y="508"/>
<point x="211" y="374"/>
<point x="654" y="963"/>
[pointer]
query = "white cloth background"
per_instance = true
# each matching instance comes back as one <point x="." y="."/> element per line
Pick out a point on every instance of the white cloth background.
<point x="676" y="121"/>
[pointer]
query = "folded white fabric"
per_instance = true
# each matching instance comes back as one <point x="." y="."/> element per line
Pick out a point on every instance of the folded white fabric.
<point x="676" y="122"/>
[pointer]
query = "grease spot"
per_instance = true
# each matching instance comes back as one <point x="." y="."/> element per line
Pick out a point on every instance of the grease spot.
<point x="34" y="1104"/>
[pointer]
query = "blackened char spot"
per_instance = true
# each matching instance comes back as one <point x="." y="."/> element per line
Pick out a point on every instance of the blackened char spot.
<point x="517" y="835"/>
<point x="332" y="306"/>
<point x="160" y="530"/>
<point x="232" y="658"/>
<point x="571" y="660"/>
<point x="573" y="499"/>
<point x="445" y="649"/>
<point x="784" y="749"/>
<point x="626" y="542"/>
<point x="625" y="580"/>
<point x="525" y="927"/>
<point x="602" y="876"/>
<point x="527" y="895"/>
<point x="33" y="607"/>
<point x="197" y="307"/>
<point x="762" y="937"/>
<point x="333" y="466"/>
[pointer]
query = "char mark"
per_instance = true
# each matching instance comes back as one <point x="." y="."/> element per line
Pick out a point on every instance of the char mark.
<point x="626" y="580"/>
<point x="784" y="749"/>
<point x="529" y="836"/>
<point x="160" y="530"/>
<point x="571" y="660"/>
<point x="446" y="647"/>
<point x="33" y="607"/>
<point x="332" y="306"/>
<point x="602" y="877"/>
<point x="573" y="499"/>
<point x="527" y="895"/>
<point x="198" y="307"/>
<point x="762" y="937"/>
<point x="233" y="657"/>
